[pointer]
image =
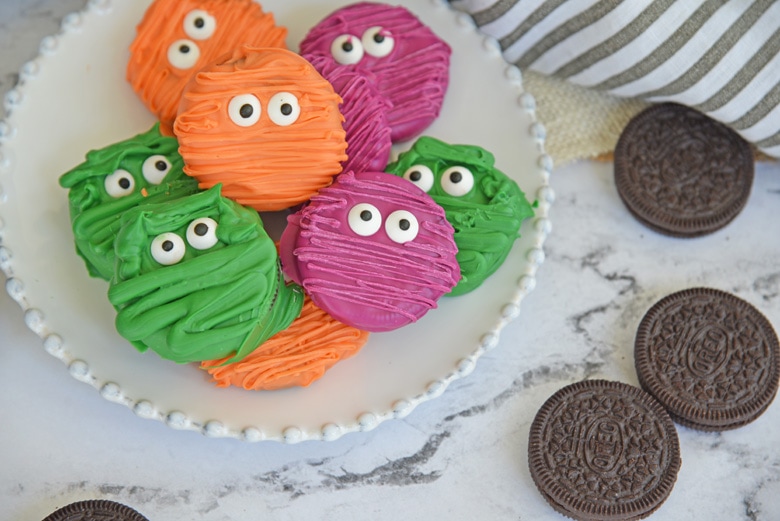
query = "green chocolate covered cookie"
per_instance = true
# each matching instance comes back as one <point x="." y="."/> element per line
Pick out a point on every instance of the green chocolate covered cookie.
<point x="483" y="204"/>
<point x="146" y="168"/>
<point x="199" y="279"/>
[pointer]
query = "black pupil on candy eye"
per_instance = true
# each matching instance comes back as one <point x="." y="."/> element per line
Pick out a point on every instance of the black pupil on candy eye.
<point x="199" y="23"/>
<point x="201" y="229"/>
<point x="124" y="183"/>
<point x="379" y="38"/>
<point x="404" y="224"/>
<point x="167" y="245"/>
<point x="184" y="49"/>
<point x="286" y="109"/>
<point x="161" y="166"/>
<point x="347" y="46"/>
<point x="246" y="111"/>
<point x="456" y="177"/>
<point x="415" y="176"/>
<point x="366" y="215"/>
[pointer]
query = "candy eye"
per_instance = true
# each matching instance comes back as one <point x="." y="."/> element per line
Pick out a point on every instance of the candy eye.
<point x="401" y="226"/>
<point x="199" y="24"/>
<point x="364" y="219"/>
<point x="377" y="42"/>
<point x="119" y="184"/>
<point x="168" y="248"/>
<point x="457" y="181"/>
<point x="244" y="110"/>
<point x="347" y="49"/>
<point x="420" y="175"/>
<point x="155" y="168"/>
<point x="202" y="233"/>
<point x="283" y="109"/>
<point x="183" y="54"/>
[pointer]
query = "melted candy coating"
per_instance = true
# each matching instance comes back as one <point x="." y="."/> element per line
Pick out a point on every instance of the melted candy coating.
<point x="178" y="37"/>
<point x="365" y="115"/>
<point x="410" y="63"/>
<point x="146" y="168"/>
<point x="214" y="300"/>
<point x="237" y="126"/>
<point x="372" y="250"/>
<point x="295" y="356"/>
<point x="487" y="218"/>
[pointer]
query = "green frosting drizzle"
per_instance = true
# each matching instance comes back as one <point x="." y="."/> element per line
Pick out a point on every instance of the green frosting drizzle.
<point x="95" y="214"/>
<point x="222" y="301"/>
<point x="487" y="219"/>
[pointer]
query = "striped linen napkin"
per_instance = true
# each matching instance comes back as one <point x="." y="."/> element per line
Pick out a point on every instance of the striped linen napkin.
<point x="721" y="57"/>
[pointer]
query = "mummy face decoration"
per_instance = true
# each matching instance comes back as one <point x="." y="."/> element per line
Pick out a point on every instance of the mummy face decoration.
<point x="178" y="37"/>
<point x="146" y="168"/>
<point x="485" y="207"/>
<point x="199" y="279"/>
<point x="263" y="123"/>
<point x="372" y="250"/>
<point x="410" y="63"/>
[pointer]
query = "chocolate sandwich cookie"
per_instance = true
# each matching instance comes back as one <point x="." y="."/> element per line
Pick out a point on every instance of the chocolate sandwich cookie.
<point x="709" y="357"/>
<point x="681" y="173"/>
<point x="95" y="510"/>
<point x="603" y="450"/>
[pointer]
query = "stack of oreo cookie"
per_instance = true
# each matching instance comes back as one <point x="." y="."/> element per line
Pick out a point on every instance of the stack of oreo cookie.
<point x="705" y="359"/>
<point x="601" y="450"/>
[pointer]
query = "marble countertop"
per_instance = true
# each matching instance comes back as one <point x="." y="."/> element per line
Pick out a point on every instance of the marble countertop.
<point x="460" y="456"/>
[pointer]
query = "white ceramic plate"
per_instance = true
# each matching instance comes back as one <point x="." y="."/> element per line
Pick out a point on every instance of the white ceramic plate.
<point x="74" y="98"/>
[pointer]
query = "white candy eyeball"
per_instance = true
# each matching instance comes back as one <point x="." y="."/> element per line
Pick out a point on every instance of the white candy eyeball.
<point x="347" y="49"/>
<point x="457" y="181"/>
<point x="364" y="219"/>
<point x="202" y="233"/>
<point x="420" y="175"/>
<point x="244" y="110"/>
<point x="401" y="226"/>
<point x="283" y="109"/>
<point x="183" y="54"/>
<point x="199" y="24"/>
<point x="168" y="248"/>
<point x="119" y="184"/>
<point x="155" y="168"/>
<point x="377" y="42"/>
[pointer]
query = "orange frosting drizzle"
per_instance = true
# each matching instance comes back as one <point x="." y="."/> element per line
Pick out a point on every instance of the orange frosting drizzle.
<point x="295" y="356"/>
<point x="265" y="166"/>
<point x="158" y="84"/>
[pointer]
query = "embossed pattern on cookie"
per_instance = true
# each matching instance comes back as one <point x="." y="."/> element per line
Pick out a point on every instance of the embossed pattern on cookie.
<point x="95" y="510"/>
<point x="711" y="358"/>
<point x="603" y="450"/>
<point x="681" y="173"/>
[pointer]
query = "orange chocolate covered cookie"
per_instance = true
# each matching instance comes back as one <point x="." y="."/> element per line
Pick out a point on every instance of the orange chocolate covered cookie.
<point x="178" y="37"/>
<point x="265" y="124"/>
<point x="295" y="356"/>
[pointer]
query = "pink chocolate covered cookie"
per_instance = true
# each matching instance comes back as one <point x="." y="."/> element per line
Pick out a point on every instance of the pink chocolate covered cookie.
<point x="373" y="250"/>
<point x="410" y="62"/>
<point x="365" y="115"/>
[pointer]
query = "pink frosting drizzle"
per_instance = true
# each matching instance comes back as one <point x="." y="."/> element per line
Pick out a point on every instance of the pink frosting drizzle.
<point x="365" y="115"/>
<point x="414" y="76"/>
<point x="371" y="283"/>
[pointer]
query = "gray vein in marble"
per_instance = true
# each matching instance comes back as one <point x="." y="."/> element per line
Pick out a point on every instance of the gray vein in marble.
<point x="530" y="378"/>
<point x="768" y="286"/>
<point x="399" y="472"/>
<point x="134" y="494"/>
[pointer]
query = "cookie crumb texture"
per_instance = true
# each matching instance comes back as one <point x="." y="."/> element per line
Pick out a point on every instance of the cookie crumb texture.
<point x="603" y="450"/>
